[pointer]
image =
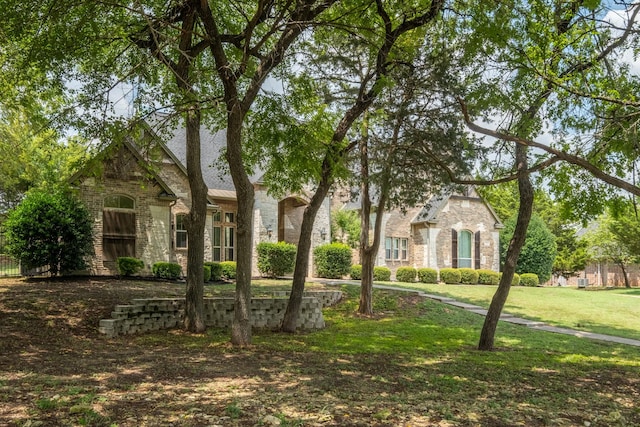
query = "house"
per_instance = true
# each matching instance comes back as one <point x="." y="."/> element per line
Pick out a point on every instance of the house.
<point x="452" y="229"/>
<point x="138" y="195"/>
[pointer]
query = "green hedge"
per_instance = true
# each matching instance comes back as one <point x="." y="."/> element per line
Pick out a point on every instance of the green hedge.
<point x="488" y="277"/>
<point x="406" y="274"/>
<point x="276" y="259"/>
<point x="450" y="275"/>
<point x="428" y="275"/>
<point x="167" y="270"/>
<point x="516" y="279"/>
<point x="381" y="274"/>
<point x="128" y="266"/>
<point x="356" y="272"/>
<point x="333" y="260"/>
<point x="468" y="276"/>
<point x="216" y="270"/>
<point x="207" y="273"/>
<point x="228" y="270"/>
<point x="529" y="279"/>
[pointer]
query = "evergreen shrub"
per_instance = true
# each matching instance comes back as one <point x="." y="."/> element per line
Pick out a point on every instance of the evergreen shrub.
<point x="529" y="279"/>
<point x="381" y="274"/>
<point x="428" y="275"/>
<point x="468" y="276"/>
<point x="276" y="259"/>
<point x="356" y="272"/>
<point x="167" y="270"/>
<point x="228" y="270"/>
<point x="216" y="270"/>
<point x="406" y="274"/>
<point x="450" y="276"/>
<point x="488" y="277"/>
<point x="207" y="273"/>
<point x="333" y="260"/>
<point x="128" y="266"/>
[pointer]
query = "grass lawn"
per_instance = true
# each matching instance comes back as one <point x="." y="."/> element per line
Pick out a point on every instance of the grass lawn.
<point x="413" y="363"/>
<point x="611" y="311"/>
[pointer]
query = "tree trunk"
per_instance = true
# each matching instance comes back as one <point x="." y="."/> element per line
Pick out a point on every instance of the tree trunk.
<point x="291" y="315"/>
<point x="627" y="284"/>
<point x="195" y="224"/>
<point x="513" y="252"/>
<point x="241" y="326"/>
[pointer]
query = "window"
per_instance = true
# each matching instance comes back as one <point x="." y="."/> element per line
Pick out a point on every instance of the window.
<point x="181" y="232"/>
<point x="396" y="248"/>
<point x="118" y="228"/>
<point x="217" y="244"/>
<point x="229" y="243"/>
<point x="118" y="202"/>
<point x="224" y="236"/>
<point x="464" y="249"/>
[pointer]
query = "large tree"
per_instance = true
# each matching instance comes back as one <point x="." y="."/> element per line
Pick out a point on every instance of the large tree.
<point x="550" y="51"/>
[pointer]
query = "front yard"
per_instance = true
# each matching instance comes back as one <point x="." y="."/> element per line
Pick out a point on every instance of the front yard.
<point x="413" y="364"/>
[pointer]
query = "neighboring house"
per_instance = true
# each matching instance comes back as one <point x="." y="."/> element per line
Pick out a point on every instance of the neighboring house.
<point x="450" y="230"/>
<point x="139" y="197"/>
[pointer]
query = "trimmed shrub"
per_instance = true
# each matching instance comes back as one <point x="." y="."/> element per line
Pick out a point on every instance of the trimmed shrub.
<point x="468" y="276"/>
<point x="50" y="228"/>
<point x="333" y="260"/>
<point x="529" y="279"/>
<point x="428" y="275"/>
<point x="356" y="272"/>
<point x="128" y="266"/>
<point x="450" y="276"/>
<point x="381" y="274"/>
<point x="166" y="270"/>
<point x="216" y="270"/>
<point x="406" y="274"/>
<point x="516" y="279"/>
<point x="228" y="270"/>
<point x="207" y="273"/>
<point x="276" y="259"/>
<point x="488" y="277"/>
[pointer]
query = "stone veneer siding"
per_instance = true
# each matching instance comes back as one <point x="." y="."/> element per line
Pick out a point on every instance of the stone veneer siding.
<point x="152" y="314"/>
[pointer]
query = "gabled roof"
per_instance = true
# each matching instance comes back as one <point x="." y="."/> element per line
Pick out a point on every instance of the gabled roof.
<point x="212" y="147"/>
<point x="165" y="191"/>
<point x="434" y="206"/>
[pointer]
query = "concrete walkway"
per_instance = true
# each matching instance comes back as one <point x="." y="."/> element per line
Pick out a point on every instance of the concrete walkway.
<point x="505" y="317"/>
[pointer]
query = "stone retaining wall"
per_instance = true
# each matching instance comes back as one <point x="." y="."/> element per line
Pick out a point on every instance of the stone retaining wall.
<point x="152" y="314"/>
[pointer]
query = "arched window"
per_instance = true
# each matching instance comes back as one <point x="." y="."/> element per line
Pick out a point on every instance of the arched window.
<point x="118" y="201"/>
<point x="118" y="227"/>
<point x="464" y="249"/>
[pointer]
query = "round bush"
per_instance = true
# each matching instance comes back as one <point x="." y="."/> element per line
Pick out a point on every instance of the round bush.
<point x="450" y="276"/>
<point x="516" y="279"/>
<point x="529" y="279"/>
<point x="381" y="274"/>
<point x="128" y="266"/>
<point x="406" y="274"/>
<point x="333" y="260"/>
<point x="468" y="276"/>
<point x="276" y="259"/>
<point x="428" y="275"/>
<point x="207" y="273"/>
<point x="166" y="270"/>
<point x="216" y="270"/>
<point x="228" y="270"/>
<point x="488" y="277"/>
<point x="356" y="272"/>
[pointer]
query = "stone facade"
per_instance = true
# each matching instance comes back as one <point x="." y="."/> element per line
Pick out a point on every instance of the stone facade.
<point x="428" y="233"/>
<point x="157" y="185"/>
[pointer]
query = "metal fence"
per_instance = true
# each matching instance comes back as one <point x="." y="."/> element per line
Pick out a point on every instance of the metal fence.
<point x="8" y="265"/>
